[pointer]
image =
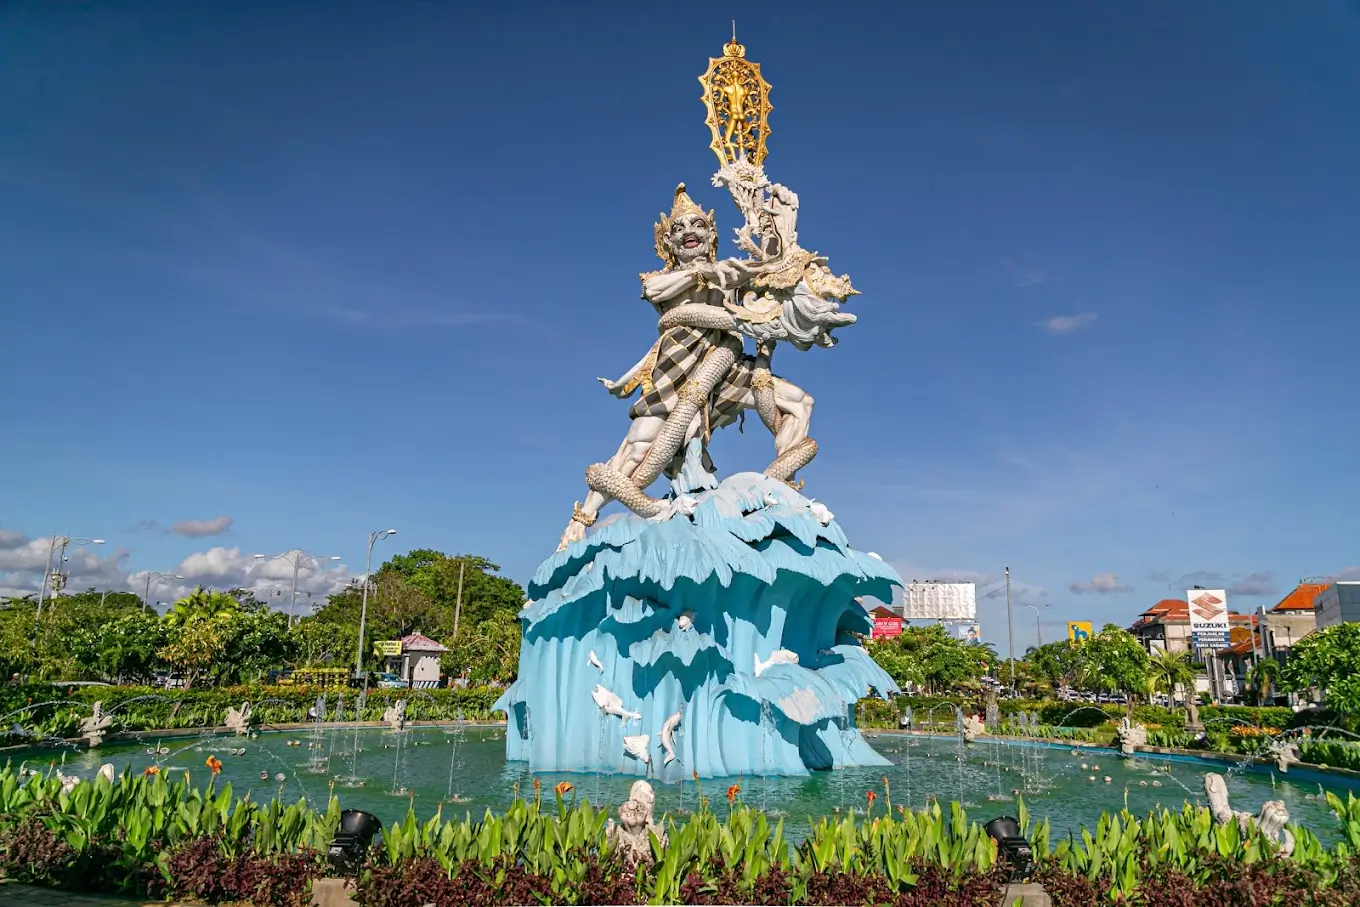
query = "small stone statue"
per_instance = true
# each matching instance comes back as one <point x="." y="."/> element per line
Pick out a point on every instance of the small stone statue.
<point x="238" y="720"/>
<point x="631" y="834"/>
<point x="1272" y="821"/>
<point x="1285" y="753"/>
<point x="1131" y="736"/>
<point x="972" y="728"/>
<point x="92" y="729"/>
<point x="395" y="715"/>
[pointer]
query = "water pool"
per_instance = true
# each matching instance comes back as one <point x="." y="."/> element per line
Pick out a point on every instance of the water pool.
<point x="465" y="770"/>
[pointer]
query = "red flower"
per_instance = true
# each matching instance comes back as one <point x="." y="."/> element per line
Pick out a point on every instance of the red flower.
<point x="214" y="765"/>
<point x="563" y="787"/>
<point x="870" y="796"/>
<point x="732" y="793"/>
<point x="151" y="770"/>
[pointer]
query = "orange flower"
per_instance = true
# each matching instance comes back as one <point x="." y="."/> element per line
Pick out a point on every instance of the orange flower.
<point x="563" y="788"/>
<point x="214" y="764"/>
<point x="696" y="774"/>
<point x="732" y="793"/>
<point x="870" y="796"/>
<point x="537" y="785"/>
<point x="151" y="770"/>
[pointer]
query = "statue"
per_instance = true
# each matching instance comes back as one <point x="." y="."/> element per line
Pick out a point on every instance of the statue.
<point x="1286" y="753"/>
<point x="971" y="727"/>
<point x="1272" y="821"/>
<point x="1131" y="736"/>
<point x="92" y="729"/>
<point x="631" y="835"/>
<point x="734" y="602"/>
<point x="395" y="715"/>
<point x="238" y="720"/>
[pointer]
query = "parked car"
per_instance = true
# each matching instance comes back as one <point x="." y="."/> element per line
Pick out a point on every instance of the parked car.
<point x="389" y="681"/>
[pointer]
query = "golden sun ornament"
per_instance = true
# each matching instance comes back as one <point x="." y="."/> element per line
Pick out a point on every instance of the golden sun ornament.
<point x="737" y="98"/>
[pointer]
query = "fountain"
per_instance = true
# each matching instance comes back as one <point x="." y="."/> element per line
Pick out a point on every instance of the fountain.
<point x="1131" y="736"/>
<point x="238" y="720"/>
<point x="394" y="716"/>
<point x="92" y="729"/>
<point x="725" y="594"/>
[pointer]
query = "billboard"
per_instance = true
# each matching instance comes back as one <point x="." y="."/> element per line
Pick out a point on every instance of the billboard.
<point x="940" y="601"/>
<point x="970" y="633"/>
<point x="1208" y="618"/>
<point x="885" y="627"/>
<point x="1078" y="631"/>
<point x="388" y="648"/>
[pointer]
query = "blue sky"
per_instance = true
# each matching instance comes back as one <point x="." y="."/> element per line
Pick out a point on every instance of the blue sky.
<point x="298" y="271"/>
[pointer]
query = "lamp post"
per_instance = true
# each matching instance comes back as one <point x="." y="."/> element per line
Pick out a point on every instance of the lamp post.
<point x="297" y="558"/>
<point x="146" y="597"/>
<point x="1038" y="633"/>
<point x="1010" y="627"/>
<point x="373" y="539"/>
<point x="59" y="541"/>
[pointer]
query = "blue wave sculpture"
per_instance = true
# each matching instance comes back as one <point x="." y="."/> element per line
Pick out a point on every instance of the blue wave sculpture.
<point x="697" y="614"/>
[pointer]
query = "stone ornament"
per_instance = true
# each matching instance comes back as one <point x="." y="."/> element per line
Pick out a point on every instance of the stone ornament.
<point x="1131" y="736"/>
<point x="1272" y="821"/>
<point x="93" y="729"/>
<point x="631" y="835"/>
<point x="394" y="716"/>
<point x="238" y="720"/>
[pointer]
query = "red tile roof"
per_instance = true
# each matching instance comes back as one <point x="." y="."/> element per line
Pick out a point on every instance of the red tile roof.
<point x="1301" y="599"/>
<point x="417" y="643"/>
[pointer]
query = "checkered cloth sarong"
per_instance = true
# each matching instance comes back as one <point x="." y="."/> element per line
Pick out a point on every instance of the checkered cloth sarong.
<point x="678" y="354"/>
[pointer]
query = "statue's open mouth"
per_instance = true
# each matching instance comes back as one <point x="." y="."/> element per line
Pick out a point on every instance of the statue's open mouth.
<point x="690" y="241"/>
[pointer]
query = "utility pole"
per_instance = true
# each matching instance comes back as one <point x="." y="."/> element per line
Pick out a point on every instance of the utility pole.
<point x="1010" y="626"/>
<point x="373" y="539"/>
<point x="458" y="604"/>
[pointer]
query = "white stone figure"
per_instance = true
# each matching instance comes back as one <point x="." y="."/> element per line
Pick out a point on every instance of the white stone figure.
<point x="1131" y="735"/>
<point x="777" y="657"/>
<point x="238" y="720"/>
<point x="820" y="513"/>
<point x="668" y="736"/>
<point x="395" y="715"/>
<point x="1285" y="753"/>
<point x="697" y="377"/>
<point x="595" y="660"/>
<point x="92" y="729"/>
<point x="1272" y="821"/>
<point x="610" y="703"/>
<point x="631" y="835"/>
<point x="639" y="747"/>
<point x="108" y="771"/>
<point x="68" y="782"/>
<point x="972" y="728"/>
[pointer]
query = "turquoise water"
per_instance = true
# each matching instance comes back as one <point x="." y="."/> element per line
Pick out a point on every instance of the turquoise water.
<point x="465" y="770"/>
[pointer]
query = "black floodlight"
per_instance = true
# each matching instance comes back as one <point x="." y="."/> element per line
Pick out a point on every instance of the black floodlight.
<point x="1011" y="846"/>
<point x="352" y="840"/>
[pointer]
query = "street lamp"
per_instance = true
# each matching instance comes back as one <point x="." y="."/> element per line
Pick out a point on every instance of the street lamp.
<point x="297" y="558"/>
<point x="59" y="541"/>
<point x="373" y="539"/>
<point x="146" y="597"/>
<point x="1038" y="633"/>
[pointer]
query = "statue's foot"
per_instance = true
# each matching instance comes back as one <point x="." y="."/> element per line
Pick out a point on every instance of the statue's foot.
<point x="573" y="533"/>
<point x="792" y="460"/>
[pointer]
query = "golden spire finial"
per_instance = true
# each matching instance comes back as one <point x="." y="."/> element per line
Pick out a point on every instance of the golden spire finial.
<point x="683" y="204"/>
<point x="737" y="98"/>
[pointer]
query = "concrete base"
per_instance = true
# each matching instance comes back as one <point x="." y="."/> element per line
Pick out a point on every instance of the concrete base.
<point x="1025" y="894"/>
<point x="332" y="893"/>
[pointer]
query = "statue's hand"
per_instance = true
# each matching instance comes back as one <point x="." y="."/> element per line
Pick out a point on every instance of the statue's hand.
<point x="616" y="388"/>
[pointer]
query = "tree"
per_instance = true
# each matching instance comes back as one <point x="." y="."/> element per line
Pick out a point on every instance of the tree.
<point x="1057" y="664"/>
<point x="1327" y="659"/>
<point x="318" y="643"/>
<point x="193" y="648"/>
<point x="1264" y="675"/>
<point x="1115" y="661"/>
<point x="488" y="652"/>
<point x="1169" y="670"/>
<point x="437" y="575"/>
<point x="201" y="604"/>
<point x="931" y="657"/>
<point x="120" y="650"/>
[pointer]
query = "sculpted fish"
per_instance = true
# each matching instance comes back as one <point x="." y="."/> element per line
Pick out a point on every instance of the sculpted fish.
<point x="668" y="737"/>
<point x="637" y="747"/>
<point x="611" y="704"/>
<point x="777" y="657"/>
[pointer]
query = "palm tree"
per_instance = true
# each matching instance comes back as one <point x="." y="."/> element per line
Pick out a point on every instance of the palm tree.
<point x="1169" y="670"/>
<point x="201" y="604"/>
<point x="1263" y="676"/>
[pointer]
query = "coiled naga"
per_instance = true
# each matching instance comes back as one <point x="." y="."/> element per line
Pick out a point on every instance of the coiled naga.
<point x="697" y="377"/>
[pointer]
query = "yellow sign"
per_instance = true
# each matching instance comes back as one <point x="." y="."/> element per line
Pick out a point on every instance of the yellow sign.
<point x="389" y="648"/>
<point x="1078" y="630"/>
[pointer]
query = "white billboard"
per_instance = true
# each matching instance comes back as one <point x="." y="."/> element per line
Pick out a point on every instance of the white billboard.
<point x="1208" y="618"/>
<point x="940" y="601"/>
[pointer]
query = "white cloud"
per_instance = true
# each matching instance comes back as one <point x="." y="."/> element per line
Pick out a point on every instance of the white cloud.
<point x="1067" y="324"/>
<point x="12" y="538"/>
<point x="197" y="529"/>
<point x="1261" y="583"/>
<point x="22" y="565"/>
<point x="1100" y="584"/>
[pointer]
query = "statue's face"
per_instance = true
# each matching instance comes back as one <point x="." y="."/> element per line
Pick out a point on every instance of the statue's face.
<point x="690" y="238"/>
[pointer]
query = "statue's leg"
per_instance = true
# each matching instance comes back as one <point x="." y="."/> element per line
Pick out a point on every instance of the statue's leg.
<point x="793" y="448"/>
<point x="641" y="435"/>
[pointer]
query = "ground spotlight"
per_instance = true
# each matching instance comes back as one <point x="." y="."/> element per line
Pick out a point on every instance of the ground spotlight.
<point x="1011" y="846"/>
<point x="351" y="842"/>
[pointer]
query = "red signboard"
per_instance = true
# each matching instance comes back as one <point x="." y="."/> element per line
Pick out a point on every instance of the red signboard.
<point x="887" y="626"/>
